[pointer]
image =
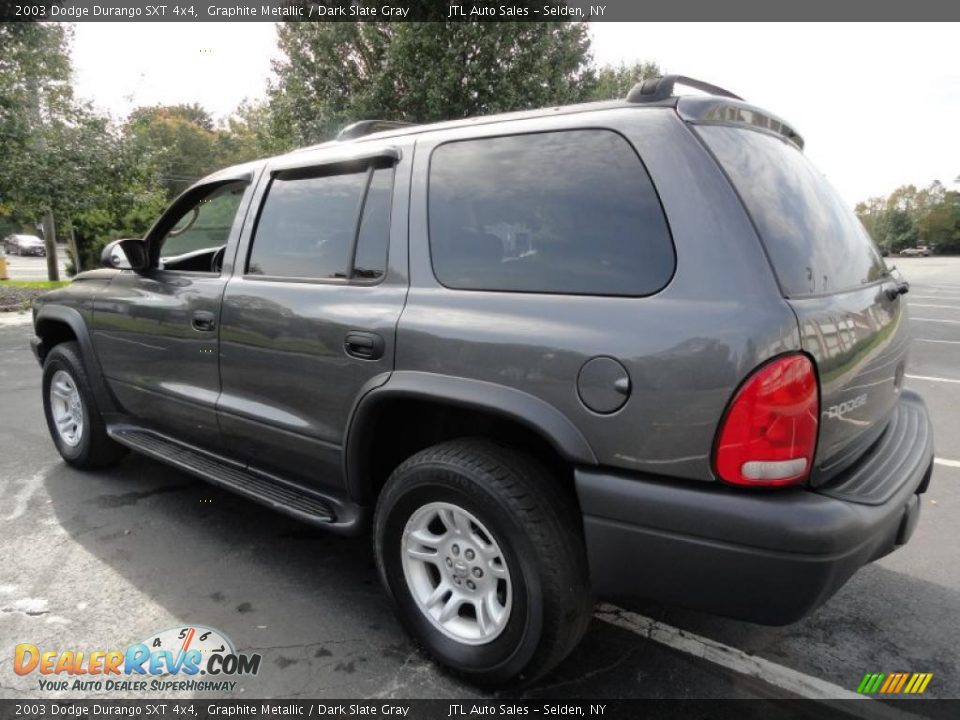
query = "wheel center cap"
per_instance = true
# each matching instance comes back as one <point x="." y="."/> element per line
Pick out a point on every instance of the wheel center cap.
<point x="460" y="568"/>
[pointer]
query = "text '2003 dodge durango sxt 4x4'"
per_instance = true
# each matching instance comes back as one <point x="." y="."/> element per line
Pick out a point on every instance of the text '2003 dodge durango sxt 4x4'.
<point x="630" y="349"/>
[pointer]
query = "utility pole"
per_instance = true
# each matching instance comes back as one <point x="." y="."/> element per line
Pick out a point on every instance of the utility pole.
<point x="49" y="229"/>
<point x="50" y="240"/>
<point x="74" y="251"/>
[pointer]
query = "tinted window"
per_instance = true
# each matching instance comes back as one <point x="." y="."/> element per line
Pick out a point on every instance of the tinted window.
<point x="815" y="241"/>
<point x="306" y="226"/>
<point x="206" y="224"/>
<point x="559" y="212"/>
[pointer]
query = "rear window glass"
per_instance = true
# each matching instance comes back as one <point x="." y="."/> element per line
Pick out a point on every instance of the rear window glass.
<point x="816" y="243"/>
<point x="559" y="212"/>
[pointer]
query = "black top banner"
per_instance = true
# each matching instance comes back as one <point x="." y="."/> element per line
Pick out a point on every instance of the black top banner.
<point x="472" y="11"/>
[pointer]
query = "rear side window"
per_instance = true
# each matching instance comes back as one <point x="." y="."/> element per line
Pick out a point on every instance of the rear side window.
<point x="311" y="227"/>
<point x="815" y="242"/>
<point x="558" y="212"/>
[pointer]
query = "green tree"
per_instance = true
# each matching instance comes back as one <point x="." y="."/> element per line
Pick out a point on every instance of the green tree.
<point x="179" y="140"/>
<point x="615" y="81"/>
<point x="910" y="216"/>
<point x="189" y="112"/>
<point x="872" y="213"/>
<point x="123" y="197"/>
<point x="335" y="73"/>
<point x="36" y="110"/>
<point x="249" y="134"/>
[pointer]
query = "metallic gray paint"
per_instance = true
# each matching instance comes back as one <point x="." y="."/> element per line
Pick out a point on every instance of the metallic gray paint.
<point x="288" y="386"/>
<point x="274" y="386"/>
<point x="686" y="348"/>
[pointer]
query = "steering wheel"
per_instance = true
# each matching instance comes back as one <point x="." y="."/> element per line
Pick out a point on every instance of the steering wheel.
<point x="194" y="214"/>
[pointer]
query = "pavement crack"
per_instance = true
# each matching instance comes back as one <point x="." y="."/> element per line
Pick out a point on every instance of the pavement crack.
<point x="588" y="675"/>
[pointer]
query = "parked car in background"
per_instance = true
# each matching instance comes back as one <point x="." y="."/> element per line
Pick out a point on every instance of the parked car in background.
<point x="918" y="251"/>
<point x="17" y="244"/>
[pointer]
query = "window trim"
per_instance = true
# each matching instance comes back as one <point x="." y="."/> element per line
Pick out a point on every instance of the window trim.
<point x="387" y="159"/>
<point x="557" y="293"/>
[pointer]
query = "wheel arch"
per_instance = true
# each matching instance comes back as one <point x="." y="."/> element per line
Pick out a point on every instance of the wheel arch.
<point x="449" y="401"/>
<point x="55" y="324"/>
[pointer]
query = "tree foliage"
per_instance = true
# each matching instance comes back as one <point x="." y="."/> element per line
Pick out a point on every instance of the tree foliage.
<point x="615" y="81"/>
<point x="335" y="73"/>
<point x="104" y="179"/>
<point x="180" y="141"/>
<point x="910" y="216"/>
<point x="36" y="114"/>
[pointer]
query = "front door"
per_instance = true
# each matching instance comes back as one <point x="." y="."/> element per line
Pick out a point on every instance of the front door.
<point x="157" y="335"/>
<point x="310" y="314"/>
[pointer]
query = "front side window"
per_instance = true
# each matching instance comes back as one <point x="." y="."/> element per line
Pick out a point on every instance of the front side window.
<point x="559" y="212"/>
<point x="310" y="226"/>
<point x="206" y="224"/>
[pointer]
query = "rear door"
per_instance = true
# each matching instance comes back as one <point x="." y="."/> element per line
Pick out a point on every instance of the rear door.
<point x="309" y="317"/>
<point x="852" y="319"/>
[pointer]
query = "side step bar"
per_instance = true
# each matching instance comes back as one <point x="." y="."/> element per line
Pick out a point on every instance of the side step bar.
<point x="276" y="493"/>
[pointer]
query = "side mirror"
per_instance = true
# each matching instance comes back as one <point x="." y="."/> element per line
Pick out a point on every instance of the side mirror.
<point x="126" y="254"/>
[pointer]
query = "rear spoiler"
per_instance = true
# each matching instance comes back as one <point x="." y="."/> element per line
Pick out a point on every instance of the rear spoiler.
<point x="660" y="88"/>
<point x="718" y="107"/>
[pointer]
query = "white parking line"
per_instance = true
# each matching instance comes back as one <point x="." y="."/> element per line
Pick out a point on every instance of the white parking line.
<point x="947" y="463"/>
<point x="949" y="322"/>
<point x="945" y="342"/>
<point x="933" y="297"/>
<point x="725" y="655"/>
<point x="942" y="307"/>
<point x="929" y="378"/>
<point x="793" y="681"/>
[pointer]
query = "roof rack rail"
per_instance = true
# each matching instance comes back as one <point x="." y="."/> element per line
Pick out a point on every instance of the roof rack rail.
<point x="661" y="88"/>
<point x="368" y="127"/>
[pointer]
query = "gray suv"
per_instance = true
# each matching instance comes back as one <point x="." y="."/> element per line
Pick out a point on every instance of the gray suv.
<point x="630" y="349"/>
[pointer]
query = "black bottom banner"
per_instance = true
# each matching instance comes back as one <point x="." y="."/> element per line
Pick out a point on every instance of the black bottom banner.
<point x="464" y="709"/>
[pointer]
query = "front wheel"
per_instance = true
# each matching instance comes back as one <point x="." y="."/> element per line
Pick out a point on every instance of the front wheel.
<point x="74" y="420"/>
<point x="482" y="551"/>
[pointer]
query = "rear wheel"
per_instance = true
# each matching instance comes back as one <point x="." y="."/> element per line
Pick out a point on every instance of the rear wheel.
<point x="73" y="418"/>
<point x="481" y="549"/>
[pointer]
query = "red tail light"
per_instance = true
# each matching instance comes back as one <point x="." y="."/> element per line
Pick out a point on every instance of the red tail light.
<point x="769" y="433"/>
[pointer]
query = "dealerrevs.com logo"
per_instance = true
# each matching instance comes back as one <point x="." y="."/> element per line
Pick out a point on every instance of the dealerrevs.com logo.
<point x="170" y="660"/>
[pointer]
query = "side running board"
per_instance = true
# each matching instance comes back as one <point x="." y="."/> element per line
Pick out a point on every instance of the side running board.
<point x="278" y="494"/>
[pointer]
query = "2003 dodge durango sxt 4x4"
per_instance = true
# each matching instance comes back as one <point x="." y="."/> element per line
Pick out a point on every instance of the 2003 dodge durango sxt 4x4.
<point x="631" y="349"/>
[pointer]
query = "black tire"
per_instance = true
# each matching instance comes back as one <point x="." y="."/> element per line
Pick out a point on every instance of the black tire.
<point x="537" y="525"/>
<point x="95" y="448"/>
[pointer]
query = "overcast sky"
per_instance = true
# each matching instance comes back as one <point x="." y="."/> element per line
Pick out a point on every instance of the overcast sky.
<point x="878" y="104"/>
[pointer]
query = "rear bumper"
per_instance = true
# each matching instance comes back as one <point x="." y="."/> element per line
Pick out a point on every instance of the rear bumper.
<point x="767" y="557"/>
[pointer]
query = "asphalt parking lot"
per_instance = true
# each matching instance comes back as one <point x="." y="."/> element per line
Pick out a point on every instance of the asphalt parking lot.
<point x="102" y="560"/>
<point x="35" y="268"/>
